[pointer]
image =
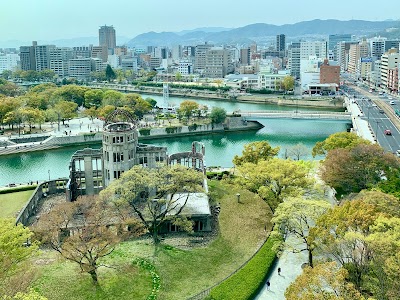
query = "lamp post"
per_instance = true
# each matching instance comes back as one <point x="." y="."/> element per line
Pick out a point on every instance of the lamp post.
<point x="49" y="174"/>
<point x="376" y="131"/>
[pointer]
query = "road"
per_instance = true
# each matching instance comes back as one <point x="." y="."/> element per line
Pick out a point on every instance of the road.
<point x="378" y="111"/>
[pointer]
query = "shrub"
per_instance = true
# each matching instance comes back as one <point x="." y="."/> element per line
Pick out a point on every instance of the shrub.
<point x="18" y="189"/>
<point x="246" y="282"/>
<point x="144" y="131"/>
<point x="171" y="129"/>
<point x="192" y="127"/>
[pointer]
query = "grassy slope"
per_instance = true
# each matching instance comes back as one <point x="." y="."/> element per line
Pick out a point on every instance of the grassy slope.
<point x="12" y="203"/>
<point x="183" y="272"/>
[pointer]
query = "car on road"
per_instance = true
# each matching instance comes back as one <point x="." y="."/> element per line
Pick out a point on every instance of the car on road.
<point x="398" y="153"/>
<point x="380" y="93"/>
<point x="381" y="111"/>
<point x="390" y="98"/>
<point x="392" y="103"/>
<point x="387" y="132"/>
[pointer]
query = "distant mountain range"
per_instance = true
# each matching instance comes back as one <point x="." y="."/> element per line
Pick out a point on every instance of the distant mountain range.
<point x="261" y="32"/>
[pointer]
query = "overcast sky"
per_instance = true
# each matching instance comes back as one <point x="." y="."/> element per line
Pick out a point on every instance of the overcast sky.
<point x="56" y="19"/>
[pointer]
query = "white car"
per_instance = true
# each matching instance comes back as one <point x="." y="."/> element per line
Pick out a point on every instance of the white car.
<point x="390" y="98"/>
<point x="392" y="103"/>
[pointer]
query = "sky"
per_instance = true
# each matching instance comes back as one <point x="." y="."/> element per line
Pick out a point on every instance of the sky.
<point x="28" y="20"/>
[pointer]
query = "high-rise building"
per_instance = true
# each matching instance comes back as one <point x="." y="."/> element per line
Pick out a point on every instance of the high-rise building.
<point x="42" y="56"/>
<point x="315" y="48"/>
<point x="107" y="37"/>
<point x="245" y="55"/>
<point x="356" y="52"/>
<point x="218" y="62"/>
<point x="343" y="50"/>
<point x="27" y="57"/>
<point x="294" y="59"/>
<point x="280" y="42"/>
<point x="389" y="60"/>
<point x="377" y="46"/>
<point x="392" y="44"/>
<point x="59" y="60"/>
<point x="334" y="39"/>
<point x="8" y="61"/>
<point x="200" y="56"/>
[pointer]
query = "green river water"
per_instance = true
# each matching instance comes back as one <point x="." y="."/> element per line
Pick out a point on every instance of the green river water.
<point x="220" y="148"/>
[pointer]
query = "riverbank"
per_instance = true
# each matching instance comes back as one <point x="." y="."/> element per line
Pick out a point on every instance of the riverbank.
<point x="77" y="134"/>
<point x="335" y="103"/>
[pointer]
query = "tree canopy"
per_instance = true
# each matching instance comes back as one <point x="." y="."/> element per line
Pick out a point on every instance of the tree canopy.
<point x="255" y="152"/>
<point x="155" y="194"/>
<point x="338" y="140"/>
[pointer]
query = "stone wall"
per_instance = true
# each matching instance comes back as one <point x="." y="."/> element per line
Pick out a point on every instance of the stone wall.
<point x="42" y="190"/>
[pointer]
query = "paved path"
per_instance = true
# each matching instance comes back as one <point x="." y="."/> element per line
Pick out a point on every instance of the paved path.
<point x="290" y="264"/>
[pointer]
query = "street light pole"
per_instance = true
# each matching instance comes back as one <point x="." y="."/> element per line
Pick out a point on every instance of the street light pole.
<point x="49" y="174"/>
<point x="376" y="131"/>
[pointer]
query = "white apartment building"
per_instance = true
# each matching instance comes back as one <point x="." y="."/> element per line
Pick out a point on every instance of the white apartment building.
<point x="315" y="48"/>
<point x="389" y="60"/>
<point x="185" y="67"/>
<point x="42" y="56"/>
<point x="310" y="72"/>
<point x="375" y="78"/>
<point x="200" y="57"/>
<point x="8" y="61"/>
<point x="129" y="63"/>
<point x="294" y="59"/>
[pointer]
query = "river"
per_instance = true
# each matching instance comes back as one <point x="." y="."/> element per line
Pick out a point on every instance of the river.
<point x="220" y="148"/>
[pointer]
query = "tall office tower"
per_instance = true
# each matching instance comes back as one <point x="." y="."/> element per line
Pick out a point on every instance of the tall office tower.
<point x="200" y="56"/>
<point x="107" y="37"/>
<point x="294" y="59"/>
<point x="42" y="56"/>
<point x="280" y="42"/>
<point x="82" y="52"/>
<point x="245" y="55"/>
<point x="377" y="46"/>
<point x="27" y="57"/>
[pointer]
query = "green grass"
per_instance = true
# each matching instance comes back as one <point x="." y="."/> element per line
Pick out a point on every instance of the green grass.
<point x="11" y="204"/>
<point x="183" y="273"/>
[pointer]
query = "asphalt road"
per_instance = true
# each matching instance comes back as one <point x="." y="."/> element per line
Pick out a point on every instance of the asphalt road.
<point x="378" y="119"/>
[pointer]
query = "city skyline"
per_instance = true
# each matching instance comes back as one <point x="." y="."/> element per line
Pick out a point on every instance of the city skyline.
<point x="42" y="20"/>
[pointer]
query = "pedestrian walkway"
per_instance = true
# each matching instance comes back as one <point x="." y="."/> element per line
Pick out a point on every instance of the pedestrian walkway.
<point x="360" y="127"/>
<point x="290" y="264"/>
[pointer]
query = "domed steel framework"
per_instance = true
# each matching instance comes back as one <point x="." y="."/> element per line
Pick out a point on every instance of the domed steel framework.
<point x="119" y="115"/>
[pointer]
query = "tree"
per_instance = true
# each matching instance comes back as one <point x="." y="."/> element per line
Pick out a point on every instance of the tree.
<point x="16" y="247"/>
<point x="217" y="115"/>
<point x="32" y="116"/>
<point x="157" y="195"/>
<point x="72" y="93"/>
<point x="178" y="76"/>
<point x="84" y="232"/>
<point x="288" y="83"/>
<point x="93" y="98"/>
<point x="8" y="88"/>
<point x="141" y="107"/>
<point x="187" y="108"/>
<point x="298" y="151"/>
<point x="110" y="74"/>
<point x="361" y="167"/>
<point x="297" y="216"/>
<point x="111" y="97"/>
<point x="151" y="101"/>
<point x="65" y="110"/>
<point x="323" y="282"/>
<point x="275" y="179"/>
<point x="46" y="74"/>
<point x="255" y="152"/>
<point x="338" y="140"/>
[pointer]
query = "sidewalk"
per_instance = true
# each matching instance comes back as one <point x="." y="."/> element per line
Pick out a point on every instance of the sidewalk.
<point x="290" y="264"/>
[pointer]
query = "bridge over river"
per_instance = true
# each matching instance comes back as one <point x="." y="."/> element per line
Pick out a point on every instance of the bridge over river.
<point x="307" y="115"/>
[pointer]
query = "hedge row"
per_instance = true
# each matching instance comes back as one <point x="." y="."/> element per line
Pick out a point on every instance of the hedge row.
<point x="245" y="284"/>
<point x="18" y="189"/>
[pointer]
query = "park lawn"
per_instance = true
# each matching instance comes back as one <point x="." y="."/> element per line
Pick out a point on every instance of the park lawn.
<point x="62" y="279"/>
<point x="183" y="273"/>
<point x="12" y="203"/>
